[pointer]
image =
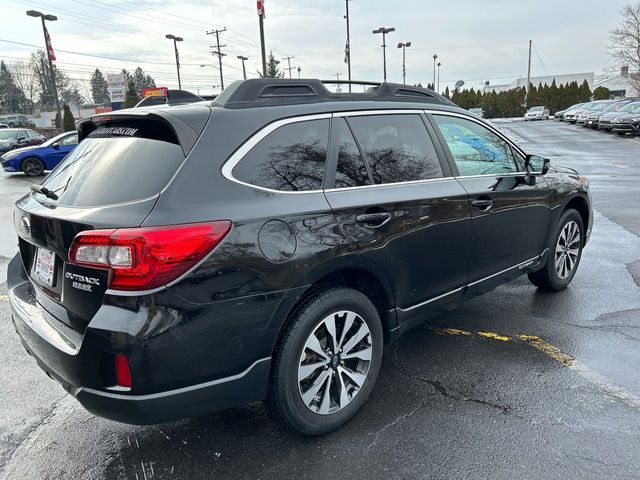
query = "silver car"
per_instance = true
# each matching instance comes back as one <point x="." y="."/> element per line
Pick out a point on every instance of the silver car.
<point x="537" y="113"/>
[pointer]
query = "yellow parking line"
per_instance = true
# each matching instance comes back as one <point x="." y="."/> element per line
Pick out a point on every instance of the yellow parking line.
<point x="4" y="298"/>
<point x="553" y="352"/>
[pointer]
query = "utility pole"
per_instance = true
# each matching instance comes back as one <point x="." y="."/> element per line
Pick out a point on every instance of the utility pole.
<point x="404" y="46"/>
<point x="175" y="48"/>
<point x="218" y="52"/>
<point x="384" y="31"/>
<point x="288" y="59"/>
<point x="50" y="55"/>
<point x="244" y="71"/>
<point x="526" y="92"/>
<point x="348" y="47"/>
<point x="338" y="84"/>
<point x="438" y="89"/>
<point x="299" y="70"/>
<point x="435" y="57"/>
<point x="261" y="16"/>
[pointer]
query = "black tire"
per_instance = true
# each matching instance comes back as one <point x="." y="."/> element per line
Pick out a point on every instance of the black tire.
<point x="548" y="278"/>
<point x="32" y="167"/>
<point x="285" y="392"/>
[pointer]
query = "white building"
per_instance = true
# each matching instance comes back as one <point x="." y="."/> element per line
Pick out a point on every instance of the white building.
<point x="561" y="79"/>
<point x="619" y="85"/>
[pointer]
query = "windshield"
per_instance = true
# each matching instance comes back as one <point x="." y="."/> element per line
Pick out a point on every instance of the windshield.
<point x="8" y="134"/>
<point x="629" y="107"/>
<point x="600" y="106"/>
<point x="614" y="107"/>
<point x="576" y="106"/>
<point x="535" y="109"/>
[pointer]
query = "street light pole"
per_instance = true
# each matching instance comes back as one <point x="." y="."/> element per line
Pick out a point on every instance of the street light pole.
<point x="438" y="89"/>
<point x="175" y="47"/>
<point x="51" y="18"/>
<point x="403" y="46"/>
<point x="299" y="70"/>
<point x="348" y="45"/>
<point x="384" y="31"/>
<point x="244" y="71"/>
<point x="435" y="57"/>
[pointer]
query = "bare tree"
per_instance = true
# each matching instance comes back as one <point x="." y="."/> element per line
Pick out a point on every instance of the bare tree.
<point x="625" y="43"/>
<point x="26" y="81"/>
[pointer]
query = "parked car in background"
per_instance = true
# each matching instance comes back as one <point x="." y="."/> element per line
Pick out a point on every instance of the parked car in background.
<point x="606" y="119"/>
<point x="571" y="115"/>
<point x="157" y="281"/>
<point x="15" y="121"/>
<point x="592" y="116"/>
<point x="11" y="138"/>
<point x="34" y="160"/>
<point x="628" y="122"/>
<point x="597" y="105"/>
<point x="559" y="115"/>
<point x="4" y="125"/>
<point x="537" y="113"/>
<point x="477" y="111"/>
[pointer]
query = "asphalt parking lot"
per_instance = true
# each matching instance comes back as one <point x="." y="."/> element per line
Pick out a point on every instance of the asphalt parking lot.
<point x="514" y="384"/>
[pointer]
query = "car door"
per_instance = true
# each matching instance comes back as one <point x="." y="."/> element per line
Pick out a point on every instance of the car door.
<point x="396" y="200"/>
<point x="22" y="139"/>
<point x="510" y="211"/>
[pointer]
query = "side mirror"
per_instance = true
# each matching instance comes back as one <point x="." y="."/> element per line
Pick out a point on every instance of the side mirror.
<point x="536" y="165"/>
<point x="55" y="145"/>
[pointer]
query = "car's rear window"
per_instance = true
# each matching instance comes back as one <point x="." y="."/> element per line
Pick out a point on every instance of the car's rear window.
<point x="116" y="164"/>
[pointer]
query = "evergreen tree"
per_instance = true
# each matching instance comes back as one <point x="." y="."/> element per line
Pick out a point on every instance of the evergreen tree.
<point x="553" y="102"/>
<point x="446" y="93"/>
<point x="99" y="87"/>
<point x="585" y="92"/>
<point x="58" y="121"/>
<point x="131" y="96"/>
<point x="601" y="93"/>
<point x="68" y="122"/>
<point x="142" y="80"/>
<point x="273" y="71"/>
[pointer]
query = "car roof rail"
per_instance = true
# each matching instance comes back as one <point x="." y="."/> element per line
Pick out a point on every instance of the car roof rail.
<point x="278" y="91"/>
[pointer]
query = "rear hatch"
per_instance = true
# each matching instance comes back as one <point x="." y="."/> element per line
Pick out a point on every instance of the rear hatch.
<point x="111" y="180"/>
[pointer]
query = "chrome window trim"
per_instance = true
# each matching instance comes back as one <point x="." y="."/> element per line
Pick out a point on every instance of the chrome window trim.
<point x="361" y="113"/>
<point x="378" y="185"/>
<point x="240" y="153"/>
<point x="489" y="127"/>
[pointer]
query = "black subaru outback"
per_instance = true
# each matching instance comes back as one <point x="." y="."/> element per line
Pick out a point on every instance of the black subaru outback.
<point x="266" y="245"/>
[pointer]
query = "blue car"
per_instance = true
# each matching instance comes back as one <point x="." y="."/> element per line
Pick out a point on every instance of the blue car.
<point x="33" y="161"/>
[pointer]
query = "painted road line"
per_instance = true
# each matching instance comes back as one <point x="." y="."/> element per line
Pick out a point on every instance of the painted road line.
<point x="553" y="352"/>
<point x="4" y="298"/>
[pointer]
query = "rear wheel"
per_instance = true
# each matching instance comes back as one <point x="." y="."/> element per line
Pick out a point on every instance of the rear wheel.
<point x="565" y="253"/>
<point x="327" y="361"/>
<point x="32" y="167"/>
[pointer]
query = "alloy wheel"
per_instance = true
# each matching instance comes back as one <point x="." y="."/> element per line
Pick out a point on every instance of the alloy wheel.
<point x="32" y="167"/>
<point x="567" y="249"/>
<point x="334" y="362"/>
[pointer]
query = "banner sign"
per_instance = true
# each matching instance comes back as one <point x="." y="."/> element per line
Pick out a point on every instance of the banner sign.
<point x="117" y="87"/>
<point x="50" y="52"/>
<point x="154" y="92"/>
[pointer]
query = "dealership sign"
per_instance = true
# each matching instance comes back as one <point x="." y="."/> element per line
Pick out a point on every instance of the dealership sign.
<point x="117" y="87"/>
<point x="154" y="92"/>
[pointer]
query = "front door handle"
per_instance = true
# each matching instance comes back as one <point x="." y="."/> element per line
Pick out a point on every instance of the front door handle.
<point x="484" y="204"/>
<point x="374" y="219"/>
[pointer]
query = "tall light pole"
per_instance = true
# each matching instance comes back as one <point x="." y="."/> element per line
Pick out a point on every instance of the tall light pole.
<point x="404" y="46"/>
<point x="175" y="47"/>
<point x="384" y="31"/>
<point x="299" y="70"/>
<point x="435" y="57"/>
<point x="261" y="15"/>
<point x="438" y="89"/>
<point x="348" y="47"/>
<point x="244" y="71"/>
<point x="47" y="42"/>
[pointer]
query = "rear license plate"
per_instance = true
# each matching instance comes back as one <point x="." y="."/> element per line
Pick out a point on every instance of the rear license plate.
<point x="44" y="266"/>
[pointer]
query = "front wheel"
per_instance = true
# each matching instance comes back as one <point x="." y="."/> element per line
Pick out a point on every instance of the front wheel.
<point x="32" y="167"/>
<point x="327" y="362"/>
<point x="565" y="252"/>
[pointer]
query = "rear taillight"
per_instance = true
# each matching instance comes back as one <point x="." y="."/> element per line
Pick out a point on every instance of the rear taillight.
<point x="147" y="257"/>
<point x="123" y="373"/>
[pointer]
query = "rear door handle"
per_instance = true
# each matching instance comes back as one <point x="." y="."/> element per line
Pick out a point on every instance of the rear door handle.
<point x="374" y="219"/>
<point x="484" y="204"/>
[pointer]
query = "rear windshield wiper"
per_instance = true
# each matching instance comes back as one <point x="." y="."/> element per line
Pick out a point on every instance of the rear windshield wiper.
<point x="45" y="191"/>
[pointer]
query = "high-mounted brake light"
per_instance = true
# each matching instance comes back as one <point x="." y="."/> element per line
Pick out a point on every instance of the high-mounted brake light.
<point x="147" y="257"/>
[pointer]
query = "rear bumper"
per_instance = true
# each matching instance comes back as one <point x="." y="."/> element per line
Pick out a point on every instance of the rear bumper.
<point x="173" y="375"/>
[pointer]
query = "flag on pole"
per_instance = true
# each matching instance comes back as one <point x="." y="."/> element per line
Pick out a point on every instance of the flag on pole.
<point x="347" y="53"/>
<point x="261" y="9"/>
<point x="50" y="52"/>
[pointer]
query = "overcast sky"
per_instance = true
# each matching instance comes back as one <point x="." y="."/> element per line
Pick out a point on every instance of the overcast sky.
<point x="474" y="40"/>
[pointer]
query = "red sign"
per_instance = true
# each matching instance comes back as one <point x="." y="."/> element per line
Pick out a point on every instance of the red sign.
<point x="103" y="109"/>
<point x="260" y="5"/>
<point x="50" y="52"/>
<point x="154" y="92"/>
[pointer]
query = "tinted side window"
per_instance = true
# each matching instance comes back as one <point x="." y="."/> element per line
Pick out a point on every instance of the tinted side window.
<point x="398" y="148"/>
<point x="350" y="169"/>
<point x="70" y="140"/>
<point x="475" y="149"/>
<point x="291" y="158"/>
